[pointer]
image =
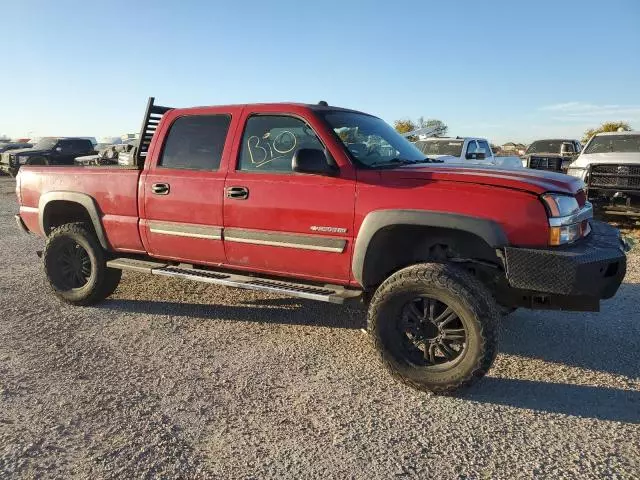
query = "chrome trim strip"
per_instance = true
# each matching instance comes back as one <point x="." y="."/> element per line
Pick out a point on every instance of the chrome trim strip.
<point x="585" y="213"/>
<point x="286" y="240"/>
<point x="185" y="230"/>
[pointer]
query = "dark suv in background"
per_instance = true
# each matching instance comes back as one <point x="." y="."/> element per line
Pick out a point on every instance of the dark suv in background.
<point x="48" y="151"/>
<point x="554" y="154"/>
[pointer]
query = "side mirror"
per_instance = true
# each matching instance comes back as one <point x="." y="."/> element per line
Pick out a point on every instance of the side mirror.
<point x="312" y="160"/>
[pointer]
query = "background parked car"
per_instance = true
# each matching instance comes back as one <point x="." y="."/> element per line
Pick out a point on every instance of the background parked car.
<point x="48" y="151"/>
<point x="109" y="154"/>
<point x="552" y="154"/>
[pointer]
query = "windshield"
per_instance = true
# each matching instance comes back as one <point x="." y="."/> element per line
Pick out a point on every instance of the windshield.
<point x="440" y="147"/>
<point x="614" y="143"/>
<point x="46" y="143"/>
<point x="545" y="146"/>
<point x="370" y="140"/>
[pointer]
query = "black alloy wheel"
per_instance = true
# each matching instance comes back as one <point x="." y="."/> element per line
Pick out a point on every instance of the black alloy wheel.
<point x="434" y="334"/>
<point x="73" y="265"/>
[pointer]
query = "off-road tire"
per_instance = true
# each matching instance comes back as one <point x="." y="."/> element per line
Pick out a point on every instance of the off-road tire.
<point x="461" y="291"/>
<point x="102" y="280"/>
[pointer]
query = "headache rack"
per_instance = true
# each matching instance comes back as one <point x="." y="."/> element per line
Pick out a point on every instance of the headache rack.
<point x="152" y="117"/>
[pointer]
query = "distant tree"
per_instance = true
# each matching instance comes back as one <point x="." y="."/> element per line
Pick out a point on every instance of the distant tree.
<point x="404" y="126"/>
<point x="440" y="127"/>
<point x="606" y="127"/>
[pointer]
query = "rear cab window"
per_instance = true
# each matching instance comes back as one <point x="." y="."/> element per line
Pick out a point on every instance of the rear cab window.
<point x="195" y="142"/>
<point x="441" y="147"/>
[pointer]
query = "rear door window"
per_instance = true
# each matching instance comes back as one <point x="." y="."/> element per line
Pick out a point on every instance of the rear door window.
<point x="195" y="142"/>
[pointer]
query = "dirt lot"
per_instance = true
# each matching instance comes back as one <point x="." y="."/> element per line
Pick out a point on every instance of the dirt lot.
<point x="170" y="379"/>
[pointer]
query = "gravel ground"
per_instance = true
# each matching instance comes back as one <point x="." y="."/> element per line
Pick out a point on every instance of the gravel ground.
<point x="173" y="379"/>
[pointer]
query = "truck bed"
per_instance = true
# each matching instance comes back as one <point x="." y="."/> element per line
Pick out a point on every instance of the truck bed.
<point x="114" y="189"/>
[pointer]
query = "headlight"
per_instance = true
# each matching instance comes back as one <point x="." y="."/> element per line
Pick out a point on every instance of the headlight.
<point x="567" y="221"/>
<point x="22" y="160"/>
<point x="577" y="172"/>
<point x="560" y="205"/>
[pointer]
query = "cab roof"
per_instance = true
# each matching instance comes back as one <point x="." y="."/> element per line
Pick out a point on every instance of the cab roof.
<point x="283" y="105"/>
<point x="604" y="134"/>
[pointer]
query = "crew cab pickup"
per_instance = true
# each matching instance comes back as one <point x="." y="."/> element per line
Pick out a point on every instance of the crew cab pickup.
<point x="48" y="151"/>
<point x="277" y="197"/>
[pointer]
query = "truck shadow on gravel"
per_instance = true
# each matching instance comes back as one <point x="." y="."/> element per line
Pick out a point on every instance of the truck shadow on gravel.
<point x="601" y="403"/>
<point x="283" y="311"/>
<point x="606" y="341"/>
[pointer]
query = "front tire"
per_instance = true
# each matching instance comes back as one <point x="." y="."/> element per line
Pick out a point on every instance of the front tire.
<point x="75" y="266"/>
<point x="435" y="327"/>
<point x="38" y="161"/>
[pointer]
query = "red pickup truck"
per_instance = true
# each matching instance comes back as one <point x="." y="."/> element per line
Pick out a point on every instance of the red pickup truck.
<point x="328" y="204"/>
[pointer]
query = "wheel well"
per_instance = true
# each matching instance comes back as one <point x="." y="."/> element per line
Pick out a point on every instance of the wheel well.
<point x="60" y="212"/>
<point x="395" y="247"/>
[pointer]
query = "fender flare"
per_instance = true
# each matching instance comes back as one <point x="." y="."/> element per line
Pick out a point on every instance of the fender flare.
<point x="489" y="230"/>
<point x="83" y="199"/>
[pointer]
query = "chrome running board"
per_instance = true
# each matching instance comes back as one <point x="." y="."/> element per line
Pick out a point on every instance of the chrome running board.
<point x="323" y="293"/>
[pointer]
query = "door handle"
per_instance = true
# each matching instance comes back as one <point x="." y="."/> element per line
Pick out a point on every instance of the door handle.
<point x="238" y="193"/>
<point x="160" y="188"/>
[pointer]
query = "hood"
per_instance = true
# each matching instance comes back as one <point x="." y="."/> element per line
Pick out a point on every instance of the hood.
<point x="533" y="181"/>
<point x="18" y="151"/>
<point x="545" y="154"/>
<point x="29" y="152"/>
<point x="585" y="160"/>
<point x="445" y="158"/>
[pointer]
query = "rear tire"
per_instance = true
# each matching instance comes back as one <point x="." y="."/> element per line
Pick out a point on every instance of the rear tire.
<point x="435" y="327"/>
<point x="75" y="266"/>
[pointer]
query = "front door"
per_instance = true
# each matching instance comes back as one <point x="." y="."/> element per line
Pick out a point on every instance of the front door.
<point x="181" y="215"/>
<point x="281" y="222"/>
<point x="66" y="151"/>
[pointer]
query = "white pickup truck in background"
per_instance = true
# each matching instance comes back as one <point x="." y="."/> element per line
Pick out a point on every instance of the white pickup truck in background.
<point x="610" y="166"/>
<point x="465" y="150"/>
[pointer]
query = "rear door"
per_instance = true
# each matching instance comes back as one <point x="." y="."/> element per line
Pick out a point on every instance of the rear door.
<point x="181" y="201"/>
<point x="281" y="222"/>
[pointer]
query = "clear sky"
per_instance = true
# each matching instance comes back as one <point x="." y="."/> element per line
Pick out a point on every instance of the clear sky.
<point x="507" y="70"/>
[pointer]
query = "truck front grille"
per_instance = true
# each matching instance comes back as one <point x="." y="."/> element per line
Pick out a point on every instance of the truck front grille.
<point x="553" y="164"/>
<point x="615" y="177"/>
